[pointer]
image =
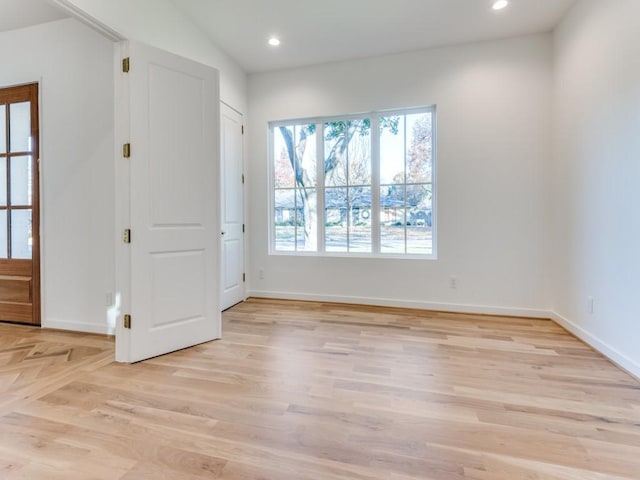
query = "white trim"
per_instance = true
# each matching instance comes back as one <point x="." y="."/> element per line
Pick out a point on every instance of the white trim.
<point x="41" y="206"/>
<point x="618" y="358"/>
<point x="222" y="102"/>
<point x="390" y="302"/>
<point x="351" y="116"/>
<point x="122" y="203"/>
<point x="434" y="183"/>
<point x="271" y="185"/>
<point x="222" y="166"/>
<point x="320" y="210"/>
<point x="80" y="327"/>
<point x="88" y="20"/>
<point x="374" y="212"/>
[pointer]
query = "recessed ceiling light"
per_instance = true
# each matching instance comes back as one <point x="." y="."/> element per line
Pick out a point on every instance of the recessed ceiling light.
<point x="500" y="4"/>
<point x="274" y="41"/>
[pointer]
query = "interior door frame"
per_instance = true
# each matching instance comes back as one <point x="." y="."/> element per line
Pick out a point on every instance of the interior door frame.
<point x="122" y="301"/>
<point x="36" y="229"/>
<point x="224" y="105"/>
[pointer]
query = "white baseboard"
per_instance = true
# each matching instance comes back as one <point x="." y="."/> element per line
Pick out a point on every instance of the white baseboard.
<point x="630" y="366"/>
<point x="621" y="360"/>
<point x="82" y="327"/>
<point x="390" y="302"/>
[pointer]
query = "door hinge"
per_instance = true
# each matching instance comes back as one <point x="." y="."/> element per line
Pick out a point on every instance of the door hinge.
<point x="126" y="64"/>
<point x="126" y="237"/>
<point x="127" y="321"/>
<point x="126" y="150"/>
<point x="242" y="129"/>
<point x="243" y="178"/>
<point x="243" y="228"/>
<point x="244" y="277"/>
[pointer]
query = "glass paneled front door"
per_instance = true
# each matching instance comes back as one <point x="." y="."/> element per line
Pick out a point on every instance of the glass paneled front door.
<point x="19" y="212"/>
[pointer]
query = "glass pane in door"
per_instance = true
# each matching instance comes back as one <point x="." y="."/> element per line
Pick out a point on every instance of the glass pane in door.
<point x="21" y="181"/>
<point x="21" y="239"/>
<point x="3" y="183"/>
<point x="20" y="121"/>
<point x="3" y="129"/>
<point x="3" y="234"/>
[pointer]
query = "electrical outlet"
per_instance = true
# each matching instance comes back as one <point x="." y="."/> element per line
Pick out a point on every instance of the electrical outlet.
<point x="261" y="274"/>
<point x="590" y="305"/>
<point x="453" y="282"/>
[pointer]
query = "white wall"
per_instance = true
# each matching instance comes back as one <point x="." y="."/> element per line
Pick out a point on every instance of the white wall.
<point x="494" y="113"/>
<point x="597" y="167"/>
<point x="160" y="24"/>
<point x="75" y="67"/>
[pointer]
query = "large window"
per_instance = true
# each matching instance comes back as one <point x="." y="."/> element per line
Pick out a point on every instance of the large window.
<point x="358" y="184"/>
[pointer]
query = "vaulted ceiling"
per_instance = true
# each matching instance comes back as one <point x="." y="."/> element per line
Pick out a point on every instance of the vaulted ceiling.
<point x="315" y="31"/>
<point x="25" y="13"/>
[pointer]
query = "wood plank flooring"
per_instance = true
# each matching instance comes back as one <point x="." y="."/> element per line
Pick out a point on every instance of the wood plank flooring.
<point x="311" y="391"/>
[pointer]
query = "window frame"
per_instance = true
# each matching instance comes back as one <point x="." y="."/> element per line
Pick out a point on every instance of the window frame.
<point x="374" y="117"/>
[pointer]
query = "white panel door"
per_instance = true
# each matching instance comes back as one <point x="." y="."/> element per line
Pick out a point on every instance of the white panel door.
<point x="174" y="178"/>
<point x="232" y="208"/>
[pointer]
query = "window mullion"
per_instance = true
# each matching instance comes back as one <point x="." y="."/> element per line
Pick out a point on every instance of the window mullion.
<point x="272" y="190"/>
<point x="320" y="216"/>
<point x="296" y="189"/>
<point x="406" y="175"/>
<point x="348" y="192"/>
<point x="375" y="184"/>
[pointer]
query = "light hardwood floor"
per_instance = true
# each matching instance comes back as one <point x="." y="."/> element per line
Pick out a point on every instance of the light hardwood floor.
<point x="306" y="391"/>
